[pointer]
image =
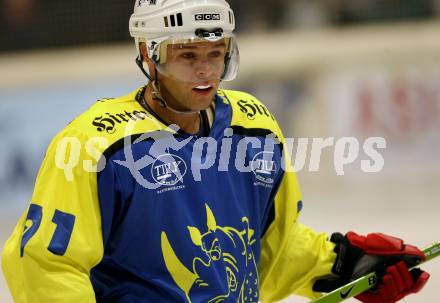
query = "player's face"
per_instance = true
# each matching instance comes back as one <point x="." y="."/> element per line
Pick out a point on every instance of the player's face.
<point x="192" y="74"/>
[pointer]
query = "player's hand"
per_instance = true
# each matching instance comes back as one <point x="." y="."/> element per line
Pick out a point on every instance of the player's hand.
<point x="389" y="257"/>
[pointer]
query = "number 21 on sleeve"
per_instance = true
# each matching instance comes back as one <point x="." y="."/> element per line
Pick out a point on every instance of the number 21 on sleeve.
<point x="63" y="232"/>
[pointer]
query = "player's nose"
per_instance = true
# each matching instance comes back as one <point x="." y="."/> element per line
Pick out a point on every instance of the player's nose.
<point x="204" y="69"/>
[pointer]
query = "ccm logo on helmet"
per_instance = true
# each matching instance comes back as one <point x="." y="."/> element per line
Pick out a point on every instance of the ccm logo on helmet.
<point x="207" y="17"/>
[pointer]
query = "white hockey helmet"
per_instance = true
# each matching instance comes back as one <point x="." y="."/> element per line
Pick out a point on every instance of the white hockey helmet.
<point x="166" y="25"/>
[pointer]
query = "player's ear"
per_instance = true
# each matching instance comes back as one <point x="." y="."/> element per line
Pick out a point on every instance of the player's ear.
<point x="145" y="58"/>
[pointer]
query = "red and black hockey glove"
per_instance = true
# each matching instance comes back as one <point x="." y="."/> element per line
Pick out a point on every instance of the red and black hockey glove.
<point x="389" y="257"/>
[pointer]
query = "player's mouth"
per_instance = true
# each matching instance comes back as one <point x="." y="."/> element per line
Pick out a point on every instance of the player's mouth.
<point x="203" y="89"/>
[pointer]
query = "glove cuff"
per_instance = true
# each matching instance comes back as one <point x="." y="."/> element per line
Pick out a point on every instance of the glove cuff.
<point x="347" y="256"/>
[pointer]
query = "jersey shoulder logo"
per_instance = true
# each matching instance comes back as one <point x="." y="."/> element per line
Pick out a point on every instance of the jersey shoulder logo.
<point x="108" y="122"/>
<point x="253" y="109"/>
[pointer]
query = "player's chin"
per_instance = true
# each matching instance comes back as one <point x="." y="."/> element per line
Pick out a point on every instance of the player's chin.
<point x="202" y="99"/>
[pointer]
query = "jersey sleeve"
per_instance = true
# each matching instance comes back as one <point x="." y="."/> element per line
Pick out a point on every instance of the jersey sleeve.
<point x="293" y="256"/>
<point x="58" y="239"/>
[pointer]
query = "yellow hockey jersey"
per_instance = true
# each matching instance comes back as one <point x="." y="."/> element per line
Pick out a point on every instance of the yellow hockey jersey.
<point x="128" y="209"/>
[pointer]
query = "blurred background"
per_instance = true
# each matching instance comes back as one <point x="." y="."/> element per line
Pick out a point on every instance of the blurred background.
<point x="326" y="68"/>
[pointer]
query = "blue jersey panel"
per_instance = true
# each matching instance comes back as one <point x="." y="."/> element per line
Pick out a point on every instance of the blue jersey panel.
<point x="182" y="222"/>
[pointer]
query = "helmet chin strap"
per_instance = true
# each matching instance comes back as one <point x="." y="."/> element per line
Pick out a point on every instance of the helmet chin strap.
<point x="157" y="96"/>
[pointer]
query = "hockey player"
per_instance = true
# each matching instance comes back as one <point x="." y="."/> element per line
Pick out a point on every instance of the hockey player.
<point x="202" y="212"/>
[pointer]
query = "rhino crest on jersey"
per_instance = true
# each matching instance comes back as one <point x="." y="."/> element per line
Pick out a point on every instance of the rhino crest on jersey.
<point x="224" y="251"/>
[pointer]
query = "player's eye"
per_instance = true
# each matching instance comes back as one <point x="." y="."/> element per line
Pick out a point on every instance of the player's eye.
<point x="188" y="55"/>
<point x="216" y="54"/>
